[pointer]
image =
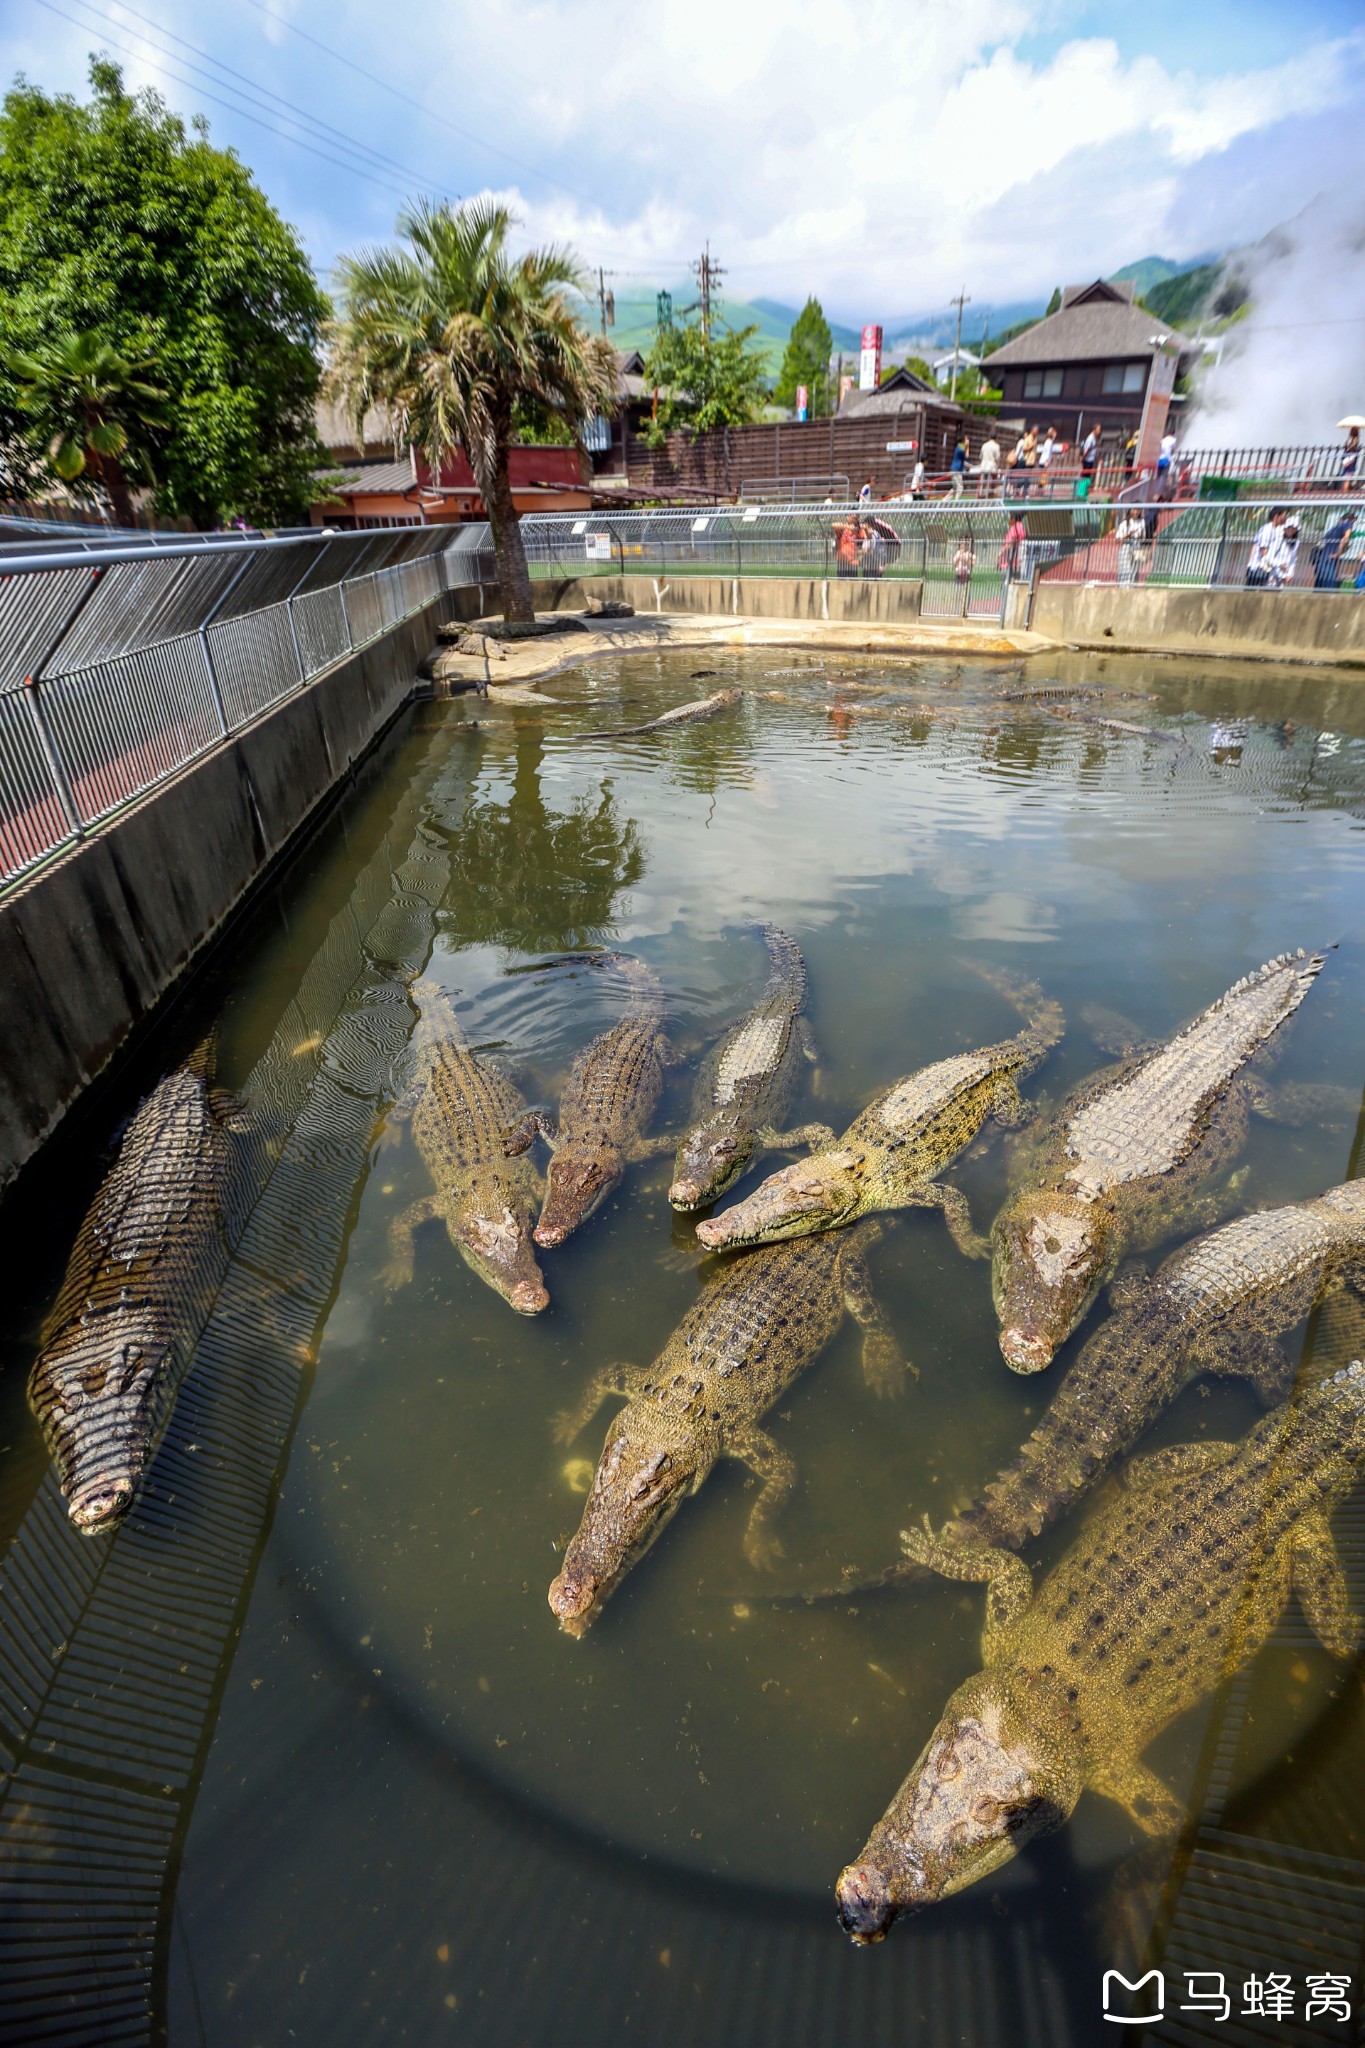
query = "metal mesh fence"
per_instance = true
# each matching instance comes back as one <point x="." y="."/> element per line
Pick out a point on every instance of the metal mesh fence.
<point x="127" y="724"/>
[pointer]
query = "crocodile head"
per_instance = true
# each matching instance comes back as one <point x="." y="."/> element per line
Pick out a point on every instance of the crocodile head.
<point x="493" y="1236"/>
<point x="1051" y="1253"/>
<point x="648" y="1467"/>
<point x="96" y="1405"/>
<point x="579" y="1177"/>
<point x="710" y="1159"/>
<point x="1001" y="1768"/>
<point x="818" y="1193"/>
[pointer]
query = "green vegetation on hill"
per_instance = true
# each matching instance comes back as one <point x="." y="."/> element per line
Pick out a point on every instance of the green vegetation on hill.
<point x="1147" y="273"/>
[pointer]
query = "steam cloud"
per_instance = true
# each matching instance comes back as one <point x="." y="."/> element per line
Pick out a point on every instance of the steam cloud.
<point x="1296" y="365"/>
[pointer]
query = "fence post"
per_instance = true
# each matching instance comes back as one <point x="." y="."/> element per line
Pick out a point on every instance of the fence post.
<point x="294" y="636"/>
<point x="346" y="616"/>
<point x="218" y="703"/>
<point x="56" y="767"/>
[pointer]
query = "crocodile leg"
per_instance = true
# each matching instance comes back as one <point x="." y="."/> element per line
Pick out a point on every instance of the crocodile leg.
<point x="650" y="1148"/>
<point x="1296" y="1103"/>
<point x="1131" y="1785"/>
<point x="612" y="1379"/>
<point x="398" y="1272"/>
<point x="1251" y="1356"/>
<point x="1009" y="1109"/>
<point x="884" y="1369"/>
<point x="805" y="1038"/>
<point x="816" y="1136"/>
<point x="933" y="1194"/>
<point x="1321" y="1587"/>
<point x="520" y="1136"/>
<point x="1007" y="1579"/>
<point x="777" y="1470"/>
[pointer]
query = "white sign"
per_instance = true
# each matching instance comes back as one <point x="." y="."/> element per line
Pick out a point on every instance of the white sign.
<point x="700" y="525"/>
<point x="750" y="514"/>
<point x="597" y="547"/>
<point x="901" y="447"/>
<point x="579" y="526"/>
<point x="870" y="359"/>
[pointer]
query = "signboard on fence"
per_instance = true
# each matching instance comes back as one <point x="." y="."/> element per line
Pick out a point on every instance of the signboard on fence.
<point x="870" y="359"/>
<point x="802" y="401"/>
<point x="597" y="547"/>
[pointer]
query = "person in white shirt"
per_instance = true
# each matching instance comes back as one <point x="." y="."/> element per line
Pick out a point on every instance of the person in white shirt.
<point x="1090" y="451"/>
<point x="1284" y="556"/>
<point x="989" y="466"/>
<point x="917" y="480"/>
<point x="1047" y="448"/>
<point x="1129" y="533"/>
<point x="1262" y="551"/>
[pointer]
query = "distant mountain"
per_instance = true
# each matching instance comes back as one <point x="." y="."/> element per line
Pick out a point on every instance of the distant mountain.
<point x="933" y="331"/>
<point x="637" y="314"/>
<point x="1153" y="271"/>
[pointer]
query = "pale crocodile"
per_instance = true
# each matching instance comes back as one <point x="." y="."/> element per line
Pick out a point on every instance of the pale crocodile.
<point x="1220" y="1305"/>
<point x="681" y="714"/>
<point x="150" y="1254"/>
<point x="612" y="1093"/>
<point x="757" y="1322"/>
<point x="462" y="1106"/>
<point x="1110" y="1173"/>
<point x="889" y="1156"/>
<point x="745" y="1086"/>
<point x="1161" y="1598"/>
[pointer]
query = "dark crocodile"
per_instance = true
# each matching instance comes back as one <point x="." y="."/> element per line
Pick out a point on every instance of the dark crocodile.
<point x="1159" y="1600"/>
<point x="1218" y="1305"/>
<point x="462" y="1107"/>
<point x="889" y="1157"/>
<point x="1113" y="1170"/>
<point x="757" y="1322"/>
<point x="612" y="1093"/>
<point x="149" y="1258"/>
<point x="681" y="714"/>
<point x="745" y="1086"/>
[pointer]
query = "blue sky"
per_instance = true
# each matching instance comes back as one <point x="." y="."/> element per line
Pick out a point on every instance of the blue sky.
<point x="876" y="152"/>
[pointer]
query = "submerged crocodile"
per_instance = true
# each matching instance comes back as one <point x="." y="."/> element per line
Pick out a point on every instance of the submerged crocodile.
<point x="1159" y="1601"/>
<point x="889" y="1156"/>
<point x="745" y="1086"/>
<point x="1217" y="1305"/>
<point x="461" y="1108"/>
<point x="757" y="1323"/>
<point x="681" y="714"/>
<point x="149" y="1257"/>
<point x="613" y="1090"/>
<point x="1111" y="1171"/>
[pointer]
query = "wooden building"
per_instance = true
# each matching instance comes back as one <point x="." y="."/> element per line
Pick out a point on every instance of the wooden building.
<point x="382" y="489"/>
<point x="1099" y="360"/>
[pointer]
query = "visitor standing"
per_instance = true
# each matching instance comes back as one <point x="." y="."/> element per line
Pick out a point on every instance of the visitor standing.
<point x="957" y="468"/>
<point x="990" y="465"/>
<point x="917" y="480"/>
<point x="865" y="494"/>
<point x="964" y="561"/>
<point x="1326" y="556"/>
<point x="1130" y="533"/>
<point x="848" y="540"/>
<point x="1165" y="466"/>
<point x="1350" y="458"/>
<point x="1130" y="448"/>
<point x="1284" y="556"/>
<point x="1047" y="450"/>
<point x="872" y="549"/>
<point x="1011" y="554"/>
<point x="1262" y="549"/>
<point x="1090" y="450"/>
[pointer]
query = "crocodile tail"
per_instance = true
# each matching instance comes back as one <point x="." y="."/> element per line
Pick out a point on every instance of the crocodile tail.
<point x="203" y="1060"/>
<point x="1306" y="967"/>
<point x="1042" y="1015"/>
<point x="789" y="964"/>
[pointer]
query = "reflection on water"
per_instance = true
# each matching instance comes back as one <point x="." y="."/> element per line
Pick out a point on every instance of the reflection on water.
<point x="414" y="1789"/>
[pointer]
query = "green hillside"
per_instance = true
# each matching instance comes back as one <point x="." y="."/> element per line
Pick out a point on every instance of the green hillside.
<point x="1148" y="272"/>
<point x="636" y="312"/>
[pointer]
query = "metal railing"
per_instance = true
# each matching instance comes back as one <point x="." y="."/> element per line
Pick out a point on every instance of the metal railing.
<point x="794" y="490"/>
<point x="121" y="665"/>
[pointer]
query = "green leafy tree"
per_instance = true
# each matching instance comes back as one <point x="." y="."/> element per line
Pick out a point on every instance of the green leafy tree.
<point x="83" y="396"/>
<point x="458" y="341"/>
<point x="115" y="222"/>
<point x="1054" y="304"/>
<point x="917" y="367"/>
<point x="720" y="382"/>
<point x="807" y="360"/>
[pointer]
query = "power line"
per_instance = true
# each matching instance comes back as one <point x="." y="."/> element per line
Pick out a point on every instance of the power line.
<point x="248" y="88"/>
<point x="338" y="163"/>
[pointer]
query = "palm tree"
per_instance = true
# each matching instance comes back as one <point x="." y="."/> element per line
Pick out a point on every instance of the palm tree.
<point x="453" y="337"/>
<point x="87" y="393"/>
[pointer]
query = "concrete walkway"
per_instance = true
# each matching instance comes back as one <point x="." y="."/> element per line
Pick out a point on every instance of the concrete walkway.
<point x="526" y="661"/>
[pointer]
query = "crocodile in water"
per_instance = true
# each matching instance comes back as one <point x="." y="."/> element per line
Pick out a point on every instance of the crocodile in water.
<point x="1159" y="1601"/>
<point x="462" y="1107"/>
<point x="745" y="1086"/>
<point x="1110" y="1172"/>
<point x="757" y="1322"/>
<point x="613" y="1090"/>
<point x="1220" y="1305"/>
<point x="889" y="1156"/>
<point x="150" y="1255"/>
<point x="681" y="714"/>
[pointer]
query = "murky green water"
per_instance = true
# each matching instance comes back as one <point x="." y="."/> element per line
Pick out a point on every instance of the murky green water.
<point x="410" y="1788"/>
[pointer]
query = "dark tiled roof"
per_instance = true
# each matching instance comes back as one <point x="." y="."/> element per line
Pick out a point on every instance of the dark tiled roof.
<point x="899" y="394"/>
<point x="1096" y="321"/>
<point x="379" y="479"/>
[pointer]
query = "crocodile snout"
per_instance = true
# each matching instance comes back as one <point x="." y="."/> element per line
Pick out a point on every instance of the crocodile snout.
<point x="529" y="1297"/>
<point x="1023" y="1353"/>
<point x="685" y="1194"/>
<point x="100" y="1504"/>
<point x="572" y="1599"/>
<point x="866" y="1908"/>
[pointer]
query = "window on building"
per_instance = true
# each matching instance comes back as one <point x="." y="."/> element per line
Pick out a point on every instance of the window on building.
<point x="1042" y="383"/>
<point x="1124" y="376"/>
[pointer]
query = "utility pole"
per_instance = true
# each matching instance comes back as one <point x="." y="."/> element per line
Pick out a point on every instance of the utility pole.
<point x="708" y="274"/>
<point x="606" y="301"/>
<point x="962" y="299"/>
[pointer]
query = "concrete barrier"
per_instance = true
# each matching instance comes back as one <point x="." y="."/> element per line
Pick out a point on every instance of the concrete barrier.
<point x="1269" y="625"/>
<point x="92" y="943"/>
<point x="881" y="601"/>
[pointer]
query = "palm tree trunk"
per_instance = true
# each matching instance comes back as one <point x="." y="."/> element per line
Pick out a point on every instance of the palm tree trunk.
<point x="514" y="578"/>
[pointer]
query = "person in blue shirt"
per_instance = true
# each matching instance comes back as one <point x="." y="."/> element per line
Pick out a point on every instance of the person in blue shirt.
<point x="958" y="466"/>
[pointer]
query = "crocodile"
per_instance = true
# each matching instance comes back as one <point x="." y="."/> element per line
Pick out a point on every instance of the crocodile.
<point x="756" y="1323"/>
<point x="681" y="714"/>
<point x="1220" y="1305"/>
<point x="148" y="1259"/>
<point x="1111" y="1171"/>
<point x="461" y="1107"/>
<point x="745" y="1086"/>
<point x="613" y="1090"/>
<point x="889" y="1155"/>
<point x="1160" y="1599"/>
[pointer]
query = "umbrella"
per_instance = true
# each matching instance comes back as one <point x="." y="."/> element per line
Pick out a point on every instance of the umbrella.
<point x="890" y="535"/>
<point x="1353" y="419"/>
